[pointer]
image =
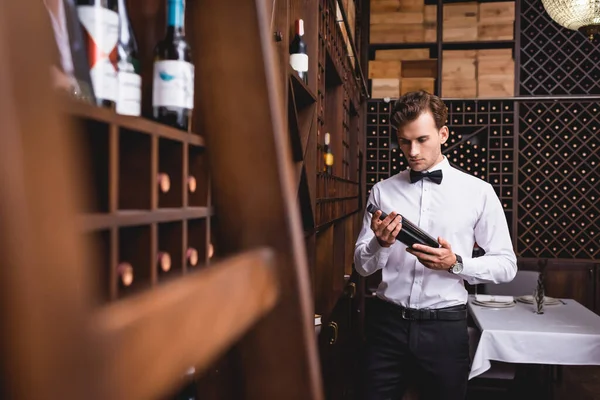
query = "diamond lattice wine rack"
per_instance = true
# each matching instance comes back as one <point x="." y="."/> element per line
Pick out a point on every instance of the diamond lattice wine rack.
<point x="559" y="188"/>
<point x="555" y="60"/>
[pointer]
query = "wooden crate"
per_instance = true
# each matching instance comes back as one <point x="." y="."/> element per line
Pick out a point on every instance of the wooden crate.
<point x="492" y="54"/>
<point x="419" y="69"/>
<point x="500" y="12"/>
<point x="398" y="17"/>
<point x="393" y="33"/>
<point x="495" y="67"/>
<point x="402" y="54"/>
<point x="459" y="69"/>
<point x="384" y="69"/>
<point x="461" y="12"/>
<point x="381" y="88"/>
<point x="496" y="86"/>
<point x="460" y="31"/>
<point x="414" y="84"/>
<point x="495" y="73"/>
<point x="378" y="6"/>
<point x="495" y="31"/>
<point x="459" y="88"/>
<point x="430" y="22"/>
<point x="453" y="54"/>
<point x="460" y="22"/>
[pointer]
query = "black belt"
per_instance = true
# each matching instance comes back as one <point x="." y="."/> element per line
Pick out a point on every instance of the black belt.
<point x="454" y="313"/>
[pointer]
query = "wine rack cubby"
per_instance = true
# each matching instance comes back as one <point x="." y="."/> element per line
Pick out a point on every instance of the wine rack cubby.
<point x="147" y="216"/>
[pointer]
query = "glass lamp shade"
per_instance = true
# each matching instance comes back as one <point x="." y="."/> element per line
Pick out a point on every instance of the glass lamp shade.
<point x="578" y="15"/>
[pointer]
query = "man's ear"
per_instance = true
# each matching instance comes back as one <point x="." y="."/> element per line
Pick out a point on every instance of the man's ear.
<point x="444" y="134"/>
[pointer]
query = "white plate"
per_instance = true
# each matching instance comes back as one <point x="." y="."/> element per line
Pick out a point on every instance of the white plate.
<point x="548" y="301"/>
<point x="494" y="304"/>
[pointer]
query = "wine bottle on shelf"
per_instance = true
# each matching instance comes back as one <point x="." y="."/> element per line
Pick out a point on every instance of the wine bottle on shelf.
<point x="192" y="256"/>
<point x="173" y="81"/>
<point x="328" y="155"/>
<point x="125" y="272"/>
<point x="164" y="261"/>
<point x="100" y="22"/>
<point x="164" y="182"/>
<point x="129" y="97"/>
<point x="298" y="54"/>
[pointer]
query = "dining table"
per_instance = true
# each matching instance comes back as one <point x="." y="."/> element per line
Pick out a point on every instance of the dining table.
<point x="567" y="333"/>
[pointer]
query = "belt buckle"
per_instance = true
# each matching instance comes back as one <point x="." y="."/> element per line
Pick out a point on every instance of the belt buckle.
<point x="404" y="316"/>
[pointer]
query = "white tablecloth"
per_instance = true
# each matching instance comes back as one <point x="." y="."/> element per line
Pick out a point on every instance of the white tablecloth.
<point x="566" y="334"/>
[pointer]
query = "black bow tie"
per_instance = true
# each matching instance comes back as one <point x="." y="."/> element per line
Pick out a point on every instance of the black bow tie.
<point x="434" y="176"/>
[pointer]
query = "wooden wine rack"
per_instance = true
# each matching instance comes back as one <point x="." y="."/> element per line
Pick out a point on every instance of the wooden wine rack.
<point x="128" y="217"/>
<point x="554" y="60"/>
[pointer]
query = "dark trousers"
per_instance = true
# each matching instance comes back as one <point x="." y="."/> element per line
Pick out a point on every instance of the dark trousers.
<point x="430" y="354"/>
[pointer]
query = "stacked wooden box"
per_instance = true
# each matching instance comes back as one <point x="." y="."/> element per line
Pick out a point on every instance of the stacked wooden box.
<point x="402" y="21"/>
<point x="411" y="21"/>
<point x="496" y="21"/>
<point x="478" y="73"/>
<point x="395" y="72"/>
<point x="467" y="22"/>
<point x="495" y="73"/>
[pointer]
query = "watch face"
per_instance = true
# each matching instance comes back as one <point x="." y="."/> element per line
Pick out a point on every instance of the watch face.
<point x="457" y="268"/>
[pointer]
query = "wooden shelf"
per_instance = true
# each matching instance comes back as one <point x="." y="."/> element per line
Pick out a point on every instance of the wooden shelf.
<point x="399" y="46"/>
<point x="479" y="45"/>
<point x="336" y="178"/>
<point x="100" y="221"/>
<point x="471" y="45"/>
<point x="302" y="93"/>
<point x="138" y="124"/>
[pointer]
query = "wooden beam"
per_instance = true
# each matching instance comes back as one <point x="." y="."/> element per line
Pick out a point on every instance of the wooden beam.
<point x="153" y="338"/>
<point x="243" y="121"/>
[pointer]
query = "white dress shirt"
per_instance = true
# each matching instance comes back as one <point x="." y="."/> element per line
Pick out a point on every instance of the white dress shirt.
<point x="463" y="210"/>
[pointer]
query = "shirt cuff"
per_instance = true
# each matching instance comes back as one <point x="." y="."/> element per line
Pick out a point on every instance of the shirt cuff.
<point x="469" y="268"/>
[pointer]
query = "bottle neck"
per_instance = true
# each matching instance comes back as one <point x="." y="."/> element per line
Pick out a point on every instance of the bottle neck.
<point x="176" y="17"/>
<point x="124" y="20"/>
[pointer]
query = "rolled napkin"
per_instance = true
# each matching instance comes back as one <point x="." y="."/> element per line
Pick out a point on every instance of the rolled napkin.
<point x="487" y="298"/>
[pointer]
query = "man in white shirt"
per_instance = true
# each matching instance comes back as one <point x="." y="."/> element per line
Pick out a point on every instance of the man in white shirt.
<point x="416" y="327"/>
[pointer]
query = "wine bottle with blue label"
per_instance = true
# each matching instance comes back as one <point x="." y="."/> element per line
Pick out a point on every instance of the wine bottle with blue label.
<point x="173" y="81"/>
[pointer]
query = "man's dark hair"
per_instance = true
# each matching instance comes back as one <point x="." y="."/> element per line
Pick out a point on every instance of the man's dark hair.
<point x="411" y="105"/>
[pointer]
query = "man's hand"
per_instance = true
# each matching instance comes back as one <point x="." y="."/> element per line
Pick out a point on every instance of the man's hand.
<point x="441" y="259"/>
<point x="386" y="230"/>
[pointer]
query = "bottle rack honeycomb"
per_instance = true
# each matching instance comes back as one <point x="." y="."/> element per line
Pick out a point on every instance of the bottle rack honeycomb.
<point x="149" y="215"/>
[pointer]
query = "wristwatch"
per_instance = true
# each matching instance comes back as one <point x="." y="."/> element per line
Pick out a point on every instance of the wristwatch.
<point x="457" y="267"/>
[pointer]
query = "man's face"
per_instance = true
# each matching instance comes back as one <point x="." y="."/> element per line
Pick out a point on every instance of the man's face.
<point x="421" y="142"/>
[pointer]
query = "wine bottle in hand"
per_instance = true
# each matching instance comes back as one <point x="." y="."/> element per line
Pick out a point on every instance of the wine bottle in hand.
<point x="173" y="81"/>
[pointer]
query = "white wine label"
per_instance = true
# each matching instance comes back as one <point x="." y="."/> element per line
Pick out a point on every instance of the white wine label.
<point x="299" y="62"/>
<point x="130" y="94"/>
<point x="102" y="28"/>
<point x="173" y="84"/>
